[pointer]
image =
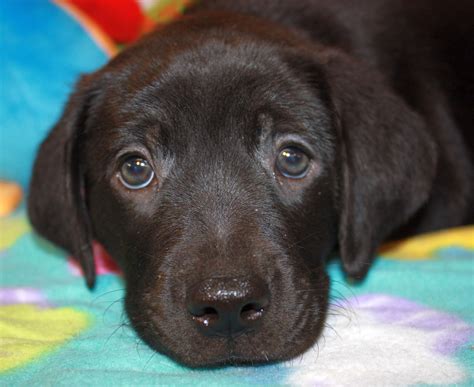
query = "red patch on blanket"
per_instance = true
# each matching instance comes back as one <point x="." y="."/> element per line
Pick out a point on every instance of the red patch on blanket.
<point x="103" y="262"/>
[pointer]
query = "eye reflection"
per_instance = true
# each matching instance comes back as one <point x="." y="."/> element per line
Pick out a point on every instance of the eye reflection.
<point x="136" y="173"/>
<point x="292" y="162"/>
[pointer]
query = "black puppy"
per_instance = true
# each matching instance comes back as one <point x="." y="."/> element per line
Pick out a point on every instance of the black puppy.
<point x="224" y="157"/>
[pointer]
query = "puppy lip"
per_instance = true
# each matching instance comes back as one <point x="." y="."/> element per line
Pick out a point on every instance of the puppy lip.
<point x="214" y="354"/>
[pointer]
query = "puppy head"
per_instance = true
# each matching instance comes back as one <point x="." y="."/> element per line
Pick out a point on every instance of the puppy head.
<point x="220" y="166"/>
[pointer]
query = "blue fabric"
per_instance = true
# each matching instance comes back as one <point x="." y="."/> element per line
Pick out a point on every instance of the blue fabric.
<point x="43" y="51"/>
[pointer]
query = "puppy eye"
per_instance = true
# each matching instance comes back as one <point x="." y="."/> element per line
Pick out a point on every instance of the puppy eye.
<point x="293" y="163"/>
<point x="136" y="173"/>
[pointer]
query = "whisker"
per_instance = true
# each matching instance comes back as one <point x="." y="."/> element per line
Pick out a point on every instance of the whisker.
<point x="105" y="293"/>
<point x="108" y="308"/>
<point x="113" y="333"/>
<point x="148" y="361"/>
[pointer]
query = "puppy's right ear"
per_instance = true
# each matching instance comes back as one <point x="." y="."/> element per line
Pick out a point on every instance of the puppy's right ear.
<point x="56" y="203"/>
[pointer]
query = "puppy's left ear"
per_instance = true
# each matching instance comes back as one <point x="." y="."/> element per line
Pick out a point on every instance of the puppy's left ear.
<point x="56" y="206"/>
<point x="388" y="160"/>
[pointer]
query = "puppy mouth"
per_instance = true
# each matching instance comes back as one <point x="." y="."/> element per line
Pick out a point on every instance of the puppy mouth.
<point x="227" y="351"/>
<point x="269" y="343"/>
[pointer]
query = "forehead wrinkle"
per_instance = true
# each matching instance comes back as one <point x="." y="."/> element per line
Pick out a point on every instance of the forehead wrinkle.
<point x="187" y="120"/>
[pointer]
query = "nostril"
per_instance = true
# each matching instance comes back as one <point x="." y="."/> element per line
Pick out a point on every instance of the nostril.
<point x="210" y="311"/>
<point x="251" y="312"/>
<point x="206" y="316"/>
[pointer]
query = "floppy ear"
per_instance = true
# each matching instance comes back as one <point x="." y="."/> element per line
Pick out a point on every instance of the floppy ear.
<point x="388" y="160"/>
<point x="56" y="205"/>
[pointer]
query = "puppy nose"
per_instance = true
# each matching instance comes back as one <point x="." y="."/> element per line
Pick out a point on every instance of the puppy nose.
<point x="227" y="306"/>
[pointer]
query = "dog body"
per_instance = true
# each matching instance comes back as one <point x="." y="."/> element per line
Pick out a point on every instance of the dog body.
<point x="224" y="157"/>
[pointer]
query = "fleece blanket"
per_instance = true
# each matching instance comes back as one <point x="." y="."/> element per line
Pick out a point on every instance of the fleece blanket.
<point x="411" y="322"/>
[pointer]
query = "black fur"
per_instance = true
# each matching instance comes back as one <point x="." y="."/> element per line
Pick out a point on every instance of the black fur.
<point x="378" y="93"/>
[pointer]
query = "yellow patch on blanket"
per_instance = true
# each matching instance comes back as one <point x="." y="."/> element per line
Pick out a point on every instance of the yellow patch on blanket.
<point x="28" y="331"/>
<point x="12" y="228"/>
<point x="425" y="246"/>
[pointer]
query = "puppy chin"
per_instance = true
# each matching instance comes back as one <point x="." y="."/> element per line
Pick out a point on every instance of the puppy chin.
<point x="222" y="352"/>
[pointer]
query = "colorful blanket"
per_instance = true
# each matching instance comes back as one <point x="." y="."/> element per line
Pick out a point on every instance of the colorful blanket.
<point x="410" y="323"/>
